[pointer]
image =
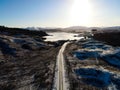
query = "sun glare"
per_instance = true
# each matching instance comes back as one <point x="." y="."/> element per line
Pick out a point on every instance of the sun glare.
<point x="80" y="13"/>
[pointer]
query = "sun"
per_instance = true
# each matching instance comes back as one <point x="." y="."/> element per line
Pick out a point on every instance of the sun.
<point x="80" y="13"/>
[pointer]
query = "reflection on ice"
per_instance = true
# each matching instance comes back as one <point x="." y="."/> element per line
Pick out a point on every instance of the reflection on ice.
<point x="55" y="36"/>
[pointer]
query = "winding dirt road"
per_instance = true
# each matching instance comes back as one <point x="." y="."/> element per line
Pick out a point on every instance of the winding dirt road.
<point x="61" y="81"/>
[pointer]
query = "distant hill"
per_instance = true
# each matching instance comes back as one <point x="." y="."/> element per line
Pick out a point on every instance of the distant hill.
<point x="112" y="28"/>
<point x="33" y="28"/>
<point x="74" y="28"/>
<point x="15" y="31"/>
<point x="47" y="29"/>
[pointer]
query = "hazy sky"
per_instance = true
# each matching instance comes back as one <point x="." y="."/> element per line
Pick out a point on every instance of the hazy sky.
<point x="59" y="13"/>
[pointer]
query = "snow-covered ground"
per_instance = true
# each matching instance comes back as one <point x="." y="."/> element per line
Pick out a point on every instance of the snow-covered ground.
<point x="99" y="78"/>
<point x="100" y="50"/>
<point x="98" y="75"/>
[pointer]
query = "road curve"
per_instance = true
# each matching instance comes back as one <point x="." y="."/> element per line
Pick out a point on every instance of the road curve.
<point x="61" y="81"/>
